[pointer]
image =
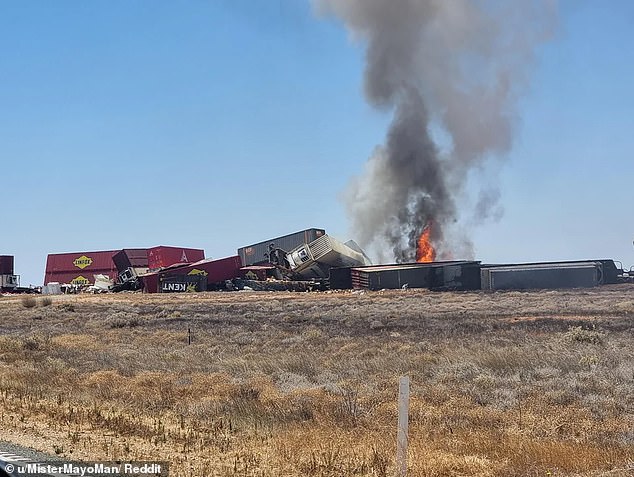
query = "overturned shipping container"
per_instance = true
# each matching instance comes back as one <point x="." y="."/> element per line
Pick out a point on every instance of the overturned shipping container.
<point x="260" y="253"/>
<point x="542" y="276"/>
<point x="8" y="280"/>
<point x="314" y="260"/>
<point x="6" y="264"/>
<point x="131" y="263"/>
<point x="131" y="258"/>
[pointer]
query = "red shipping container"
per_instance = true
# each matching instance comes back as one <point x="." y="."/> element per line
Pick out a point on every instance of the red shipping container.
<point x="79" y="266"/>
<point x="216" y="271"/>
<point x="6" y="264"/>
<point x="162" y="256"/>
<point x="150" y="282"/>
<point x="78" y="278"/>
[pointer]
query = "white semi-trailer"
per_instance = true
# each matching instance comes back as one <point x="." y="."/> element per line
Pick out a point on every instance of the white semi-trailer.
<point x="314" y="260"/>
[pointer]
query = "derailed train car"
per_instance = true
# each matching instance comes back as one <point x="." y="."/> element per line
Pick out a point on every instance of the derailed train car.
<point x="472" y="275"/>
<point x="549" y="275"/>
<point x="449" y="275"/>
<point x="262" y="252"/>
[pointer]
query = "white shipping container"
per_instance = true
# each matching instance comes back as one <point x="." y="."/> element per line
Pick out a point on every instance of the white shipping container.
<point x="316" y="258"/>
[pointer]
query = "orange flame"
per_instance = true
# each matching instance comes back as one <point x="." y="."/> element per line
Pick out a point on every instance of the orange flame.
<point x="425" y="250"/>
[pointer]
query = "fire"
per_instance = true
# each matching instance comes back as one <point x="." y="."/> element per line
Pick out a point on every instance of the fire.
<point x="425" y="250"/>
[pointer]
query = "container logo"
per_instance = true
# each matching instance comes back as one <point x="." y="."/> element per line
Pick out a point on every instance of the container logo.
<point x="195" y="271"/>
<point x="179" y="287"/>
<point x="82" y="262"/>
<point x="80" y="281"/>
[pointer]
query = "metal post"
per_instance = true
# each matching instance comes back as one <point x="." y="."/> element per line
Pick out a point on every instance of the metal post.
<point x="403" y="420"/>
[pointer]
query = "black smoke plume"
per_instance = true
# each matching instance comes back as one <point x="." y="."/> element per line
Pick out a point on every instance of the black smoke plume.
<point x="448" y="69"/>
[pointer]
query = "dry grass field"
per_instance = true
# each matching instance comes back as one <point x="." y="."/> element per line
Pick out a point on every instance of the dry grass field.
<point x="305" y="384"/>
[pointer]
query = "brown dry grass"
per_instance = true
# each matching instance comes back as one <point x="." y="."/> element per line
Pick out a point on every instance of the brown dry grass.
<point x="282" y="384"/>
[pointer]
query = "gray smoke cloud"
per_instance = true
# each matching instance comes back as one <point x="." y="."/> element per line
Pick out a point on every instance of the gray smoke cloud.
<point x="451" y="72"/>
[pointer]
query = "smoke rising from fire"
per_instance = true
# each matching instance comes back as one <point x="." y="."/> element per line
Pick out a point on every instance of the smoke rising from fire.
<point x="455" y="66"/>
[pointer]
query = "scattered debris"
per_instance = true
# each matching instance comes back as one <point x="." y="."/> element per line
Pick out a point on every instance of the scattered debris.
<point x="53" y="288"/>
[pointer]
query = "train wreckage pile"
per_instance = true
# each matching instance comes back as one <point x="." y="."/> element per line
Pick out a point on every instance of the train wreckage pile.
<point x="298" y="261"/>
<point x="303" y="261"/>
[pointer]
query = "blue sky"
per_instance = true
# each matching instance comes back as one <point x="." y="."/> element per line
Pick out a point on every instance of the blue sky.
<point x="216" y="124"/>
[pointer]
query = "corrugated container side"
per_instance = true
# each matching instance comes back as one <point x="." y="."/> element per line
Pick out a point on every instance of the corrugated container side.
<point x="485" y="278"/>
<point x="78" y="278"/>
<point x="6" y="264"/>
<point x="551" y="277"/>
<point x="183" y="284"/>
<point x="358" y="278"/>
<point x="150" y="282"/>
<point x="447" y="275"/>
<point x="215" y="272"/>
<point x="458" y="276"/>
<point x="392" y="266"/>
<point x="163" y="256"/>
<point x="258" y="252"/>
<point x="393" y="278"/>
<point x="65" y="262"/>
<point x="218" y="271"/>
<point x="79" y="264"/>
<point x="340" y="278"/>
<point x="412" y="277"/>
<point x="333" y="253"/>
<point x="130" y="258"/>
<point x="610" y="271"/>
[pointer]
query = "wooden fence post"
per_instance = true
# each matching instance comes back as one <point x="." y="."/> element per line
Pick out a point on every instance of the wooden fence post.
<point x="403" y="420"/>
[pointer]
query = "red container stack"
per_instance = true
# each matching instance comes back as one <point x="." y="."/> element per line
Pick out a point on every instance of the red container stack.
<point x="79" y="268"/>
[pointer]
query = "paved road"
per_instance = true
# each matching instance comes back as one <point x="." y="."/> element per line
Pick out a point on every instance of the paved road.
<point x="12" y="456"/>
